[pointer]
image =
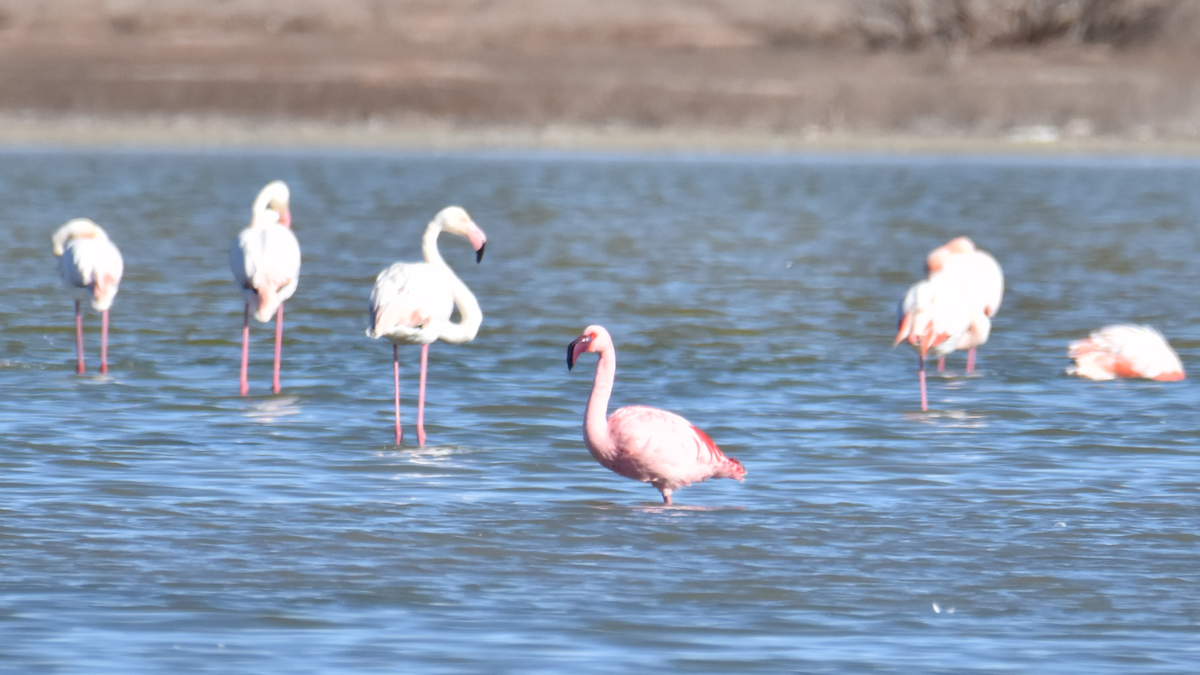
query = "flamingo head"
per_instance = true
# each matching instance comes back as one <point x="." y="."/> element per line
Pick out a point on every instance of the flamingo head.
<point x="454" y="219"/>
<point x="594" y="339"/>
<point x="276" y="198"/>
<point x="79" y="228"/>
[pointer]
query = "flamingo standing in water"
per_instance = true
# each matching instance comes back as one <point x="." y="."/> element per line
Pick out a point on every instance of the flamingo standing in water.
<point x="981" y="279"/>
<point x="646" y="444"/>
<point x="935" y="317"/>
<point x="91" y="266"/>
<point x="411" y="303"/>
<point x="265" y="259"/>
<point x="1125" y="350"/>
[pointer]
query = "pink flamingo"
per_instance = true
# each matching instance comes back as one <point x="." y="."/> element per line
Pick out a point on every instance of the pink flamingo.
<point x="935" y="317"/>
<point x="411" y="303"/>
<point x="982" y="281"/>
<point x="265" y="259"/>
<point x="1125" y="350"/>
<point x="91" y="266"/>
<point x="646" y="444"/>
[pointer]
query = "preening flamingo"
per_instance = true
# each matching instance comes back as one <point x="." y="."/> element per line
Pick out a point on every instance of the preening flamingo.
<point x="979" y="275"/>
<point x="411" y="303"/>
<point x="646" y="444"/>
<point x="91" y="266"/>
<point x="935" y="317"/>
<point x="1125" y="350"/>
<point x="265" y="259"/>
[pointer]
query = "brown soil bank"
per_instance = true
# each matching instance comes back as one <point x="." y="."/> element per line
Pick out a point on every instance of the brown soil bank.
<point x="1043" y="68"/>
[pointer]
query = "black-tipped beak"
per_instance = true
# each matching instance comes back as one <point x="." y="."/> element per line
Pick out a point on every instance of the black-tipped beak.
<point x="581" y="340"/>
<point x="479" y="253"/>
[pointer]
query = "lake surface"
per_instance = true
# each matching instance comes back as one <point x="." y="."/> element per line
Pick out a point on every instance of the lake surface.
<point x="153" y="521"/>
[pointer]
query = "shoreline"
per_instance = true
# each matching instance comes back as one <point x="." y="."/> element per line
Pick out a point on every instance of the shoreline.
<point x="228" y="133"/>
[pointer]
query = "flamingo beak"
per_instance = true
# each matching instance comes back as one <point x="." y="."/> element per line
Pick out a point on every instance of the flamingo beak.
<point x="573" y="349"/>
<point x="478" y="240"/>
<point x="479" y="252"/>
<point x="285" y="217"/>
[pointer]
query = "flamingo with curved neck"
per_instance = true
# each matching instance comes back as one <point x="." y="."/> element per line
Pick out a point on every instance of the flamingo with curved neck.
<point x="91" y="266"/>
<point x="265" y="259"/>
<point x="411" y="303"/>
<point x="639" y="442"/>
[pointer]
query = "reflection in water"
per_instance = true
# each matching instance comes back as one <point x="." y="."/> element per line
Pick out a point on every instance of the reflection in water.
<point x="273" y="409"/>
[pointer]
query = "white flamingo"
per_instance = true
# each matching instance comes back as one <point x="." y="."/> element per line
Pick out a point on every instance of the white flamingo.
<point x="935" y="317"/>
<point x="1125" y="350"/>
<point x="981" y="279"/>
<point x="91" y="266"/>
<point x="265" y="259"/>
<point x="412" y="302"/>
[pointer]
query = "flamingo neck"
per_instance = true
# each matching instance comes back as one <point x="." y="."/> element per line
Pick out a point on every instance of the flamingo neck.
<point x="595" y="418"/>
<point x="470" y="314"/>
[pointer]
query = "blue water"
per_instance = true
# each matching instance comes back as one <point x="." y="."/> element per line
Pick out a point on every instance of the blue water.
<point x="153" y="521"/>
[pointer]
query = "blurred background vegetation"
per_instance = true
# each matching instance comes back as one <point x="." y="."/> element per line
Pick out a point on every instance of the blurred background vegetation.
<point x="1059" y="68"/>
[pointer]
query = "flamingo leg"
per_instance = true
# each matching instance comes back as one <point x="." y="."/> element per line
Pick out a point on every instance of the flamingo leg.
<point x="921" y="377"/>
<point x="78" y="339"/>
<point x="245" y="384"/>
<point x="104" y="342"/>
<point x="278" y="348"/>
<point x="667" y="497"/>
<point x="942" y="365"/>
<point x="971" y="360"/>
<point x="421" y="397"/>
<point x="396" y="377"/>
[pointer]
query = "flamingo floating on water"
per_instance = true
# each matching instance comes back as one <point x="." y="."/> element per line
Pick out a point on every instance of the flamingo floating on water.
<point x="982" y="281"/>
<point x="91" y="266"/>
<point x="646" y="444"/>
<point x="411" y="303"/>
<point x="265" y="259"/>
<point x="936" y="316"/>
<point x="1125" y="350"/>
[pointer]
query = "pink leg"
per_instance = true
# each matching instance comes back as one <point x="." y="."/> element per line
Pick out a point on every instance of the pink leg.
<point x="104" y="342"/>
<point x="971" y="360"/>
<point x="245" y="384"/>
<point x="421" y="397"/>
<point x="942" y="365"/>
<point x="396" y="377"/>
<point x="921" y="377"/>
<point x="278" y="347"/>
<point x="78" y="339"/>
<point x="667" y="497"/>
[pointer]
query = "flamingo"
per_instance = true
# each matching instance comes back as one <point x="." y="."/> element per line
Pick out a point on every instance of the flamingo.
<point x="265" y="259"/>
<point x="646" y="444"/>
<point x="1125" y="350"/>
<point x="91" y="266"/>
<point x="982" y="279"/>
<point x="411" y="303"/>
<point x="935" y="317"/>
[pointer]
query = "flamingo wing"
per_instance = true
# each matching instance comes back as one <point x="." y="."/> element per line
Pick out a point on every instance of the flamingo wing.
<point x="664" y="449"/>
<point x="265" y="262"/>
<point x="409" y="303"/>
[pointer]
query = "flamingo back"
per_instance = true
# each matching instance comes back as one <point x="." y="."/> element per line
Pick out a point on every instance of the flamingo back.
<point x="411" y="303"/>
<point x="265" y="260"/>
<point x="979" y="274"/>
<point x="92" y="267"/>
<point x="934" y="316"/>
<point x="1125" y="350"/>
<point x="659" y="447"/>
